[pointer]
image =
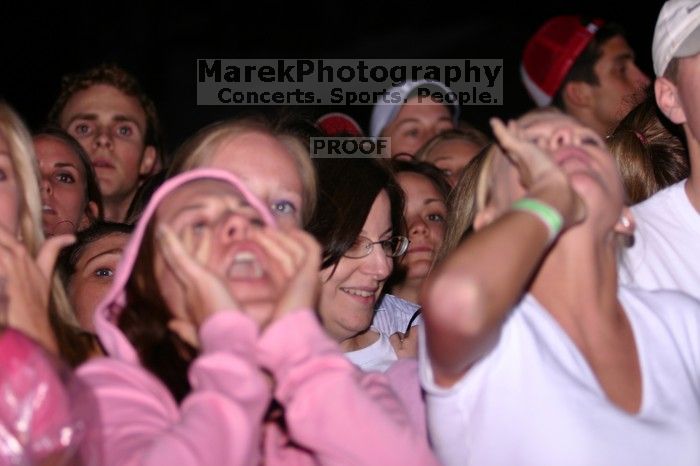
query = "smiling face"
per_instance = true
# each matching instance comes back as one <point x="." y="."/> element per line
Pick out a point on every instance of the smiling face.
<point x="217" y="209"/>
<point x="63" y="186"/>
<point x="94" y="273"/>
<point x="425" y="214"/>
<point x="9" y="190"/>
<point x="111" y="126"/>
<point x="350" y="290"/>
<point x="415" y="124"/>
<point x="268" y="170"/>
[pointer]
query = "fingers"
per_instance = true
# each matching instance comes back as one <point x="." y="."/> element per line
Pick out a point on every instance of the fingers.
<point x="46" y="259"/>
<point x="281" y="247"/>
<point x="173" y="251"/>
<point x="185" y="330"/>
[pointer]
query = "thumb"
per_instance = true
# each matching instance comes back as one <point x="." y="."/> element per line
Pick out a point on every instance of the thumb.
<point x="185" y="330"/>
<point x="46" y="259"/>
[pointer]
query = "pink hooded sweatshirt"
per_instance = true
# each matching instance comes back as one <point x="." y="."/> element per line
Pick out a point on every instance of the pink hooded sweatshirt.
<point x="334" y="413"/>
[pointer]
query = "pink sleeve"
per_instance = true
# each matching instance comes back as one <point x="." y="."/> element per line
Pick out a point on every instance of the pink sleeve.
<point x="219" y="422"/>
<point x="341" y="414"/>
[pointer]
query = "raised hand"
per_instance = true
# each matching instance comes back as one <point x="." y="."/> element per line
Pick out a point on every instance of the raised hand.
<point x="204" y="292"/>
<point x="298" y="258"/>
<point x="27" y="284"/>
<point x="539" y="174"/>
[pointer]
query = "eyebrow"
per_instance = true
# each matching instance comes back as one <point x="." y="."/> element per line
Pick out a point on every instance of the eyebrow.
<point x="624" y="56"/>
<point x="114" y="251"/>
<point x="433" y="199"/>
<point x="64" y="165"/>
<point x="93" y="117"/>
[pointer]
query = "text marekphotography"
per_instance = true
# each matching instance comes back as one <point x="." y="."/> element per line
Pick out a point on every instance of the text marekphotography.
<point x="345" y="82"/>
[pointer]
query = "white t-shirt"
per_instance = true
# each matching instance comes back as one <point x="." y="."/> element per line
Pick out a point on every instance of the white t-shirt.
<point x="376" y="357"/>
<point x="666" y="251"/>
<point x="533" y="399"/>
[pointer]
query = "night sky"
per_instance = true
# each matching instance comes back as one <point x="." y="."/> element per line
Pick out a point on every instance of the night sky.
<point x="160" y="46"/>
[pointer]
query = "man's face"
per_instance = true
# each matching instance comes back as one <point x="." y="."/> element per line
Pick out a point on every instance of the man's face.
<point x="111" y="126"/>
<point x="621" y="83"/>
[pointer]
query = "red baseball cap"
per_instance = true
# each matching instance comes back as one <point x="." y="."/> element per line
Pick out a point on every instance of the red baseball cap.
<point x="551" y="52"/>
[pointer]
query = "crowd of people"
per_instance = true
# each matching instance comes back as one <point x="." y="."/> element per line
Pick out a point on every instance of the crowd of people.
<point x="525" y="297"/>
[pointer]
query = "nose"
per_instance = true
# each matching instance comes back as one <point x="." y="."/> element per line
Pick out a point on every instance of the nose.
<point x="377" y="264"/>
<point x="640" y="79"/>
<point x="45" y="187"/>
<point x="562" y="136"/>
<point x="417" y="227"/>
<point x="234" y="226"/>
<point x="103" y="138"/>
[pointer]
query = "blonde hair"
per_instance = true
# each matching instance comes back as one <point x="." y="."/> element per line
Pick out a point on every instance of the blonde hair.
<point x="470" y="135"/>
<point x="63" y="321"/>
<point x="470" y="192"/>
<point x="198" y="150"/>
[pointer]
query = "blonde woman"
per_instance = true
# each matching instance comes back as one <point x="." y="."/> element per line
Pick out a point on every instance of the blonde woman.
<point x="33" y="300"/>
<point x="535" y="355"/>
<point x="271" y="157"/>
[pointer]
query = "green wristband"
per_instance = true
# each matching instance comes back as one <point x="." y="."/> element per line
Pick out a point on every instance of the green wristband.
<point x="548" y="214"/>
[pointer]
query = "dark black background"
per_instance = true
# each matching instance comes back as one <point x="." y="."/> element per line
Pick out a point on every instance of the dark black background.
<point x="160" y="44"/>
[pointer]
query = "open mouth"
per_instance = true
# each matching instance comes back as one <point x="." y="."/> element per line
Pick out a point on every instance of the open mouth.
<point x="48" y="210"/>
<point x="245" y="266"/>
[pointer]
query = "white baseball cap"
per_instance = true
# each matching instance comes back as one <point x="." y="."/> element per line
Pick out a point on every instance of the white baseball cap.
<point x="677" y="33"/>
<point x="384" y="113"/>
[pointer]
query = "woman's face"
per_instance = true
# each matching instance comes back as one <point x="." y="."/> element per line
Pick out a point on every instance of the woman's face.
<point x="582" y="156"/>
<point x="269" y="170"/>
<point x="451" y="157"/>
<point x="349" y="293"/>
<point x="216" y="209"/>
<point x="417" y="122"/>
<point x="9" y="190"/>
<point x="63" y="186"/>
<point x="94" y="273"/>
<point x="425" y="215"/>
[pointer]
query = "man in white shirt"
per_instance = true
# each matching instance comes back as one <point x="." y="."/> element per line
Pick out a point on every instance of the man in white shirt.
<point x="666" y="253"/>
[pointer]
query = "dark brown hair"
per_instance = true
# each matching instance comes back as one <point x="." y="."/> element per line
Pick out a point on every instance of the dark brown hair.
<point x="648" y="151"/>
<point x="144" y="321"/>
<point x="347" y="190"/>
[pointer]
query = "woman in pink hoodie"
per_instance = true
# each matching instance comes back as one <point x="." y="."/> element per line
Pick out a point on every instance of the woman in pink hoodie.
<point x="208" y="320"/>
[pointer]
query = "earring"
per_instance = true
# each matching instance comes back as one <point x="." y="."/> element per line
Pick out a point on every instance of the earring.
<point x="625" y="221"/>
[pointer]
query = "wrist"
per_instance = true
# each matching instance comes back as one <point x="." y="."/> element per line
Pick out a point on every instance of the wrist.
<point x="543" y="211"/>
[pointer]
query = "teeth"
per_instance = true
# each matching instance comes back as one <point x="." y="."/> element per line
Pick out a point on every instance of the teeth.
<point x="46" y="208"/>
<point x="364" y="294"/>
<point x="245" y="265"/>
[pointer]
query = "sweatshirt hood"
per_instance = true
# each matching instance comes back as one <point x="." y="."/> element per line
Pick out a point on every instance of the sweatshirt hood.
<point x="107" y="313"/>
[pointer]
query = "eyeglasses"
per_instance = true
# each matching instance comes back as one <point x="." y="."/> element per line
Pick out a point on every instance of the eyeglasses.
<point x="393" y="247"/>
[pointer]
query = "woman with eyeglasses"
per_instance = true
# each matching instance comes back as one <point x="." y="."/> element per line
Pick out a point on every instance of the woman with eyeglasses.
<point x="359" y="223"/>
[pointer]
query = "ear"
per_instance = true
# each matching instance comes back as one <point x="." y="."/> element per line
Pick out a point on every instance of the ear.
<point x="149" y="161"/>
<point x="667" y="99"/>
<point x="91" y="213"/>
<point x="626" y="223"/>
<point x="577" y="94"/>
